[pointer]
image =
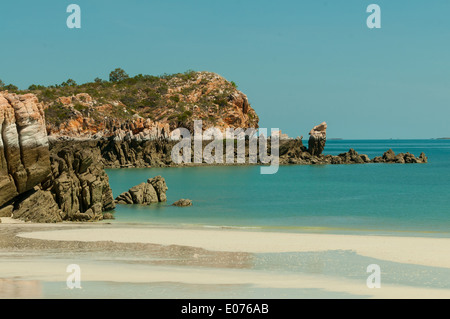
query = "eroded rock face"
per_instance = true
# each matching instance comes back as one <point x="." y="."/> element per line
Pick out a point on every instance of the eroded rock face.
<point x="40" y="185"/>
<point x="163" y="105"/>
<point x="155" y="153"/>
<point x="82" y="127"/>
<point x="24" y="154"/>
<point x="38" y="206"/>
<point x="6" y="211"/>
<point x="317" y="139"/>
<point x="153" y="191"/>
<point x="79" y="183"/>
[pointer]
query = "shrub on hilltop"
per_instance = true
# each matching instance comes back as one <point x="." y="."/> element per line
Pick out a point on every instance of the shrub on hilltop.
<point x="173" y="98"/>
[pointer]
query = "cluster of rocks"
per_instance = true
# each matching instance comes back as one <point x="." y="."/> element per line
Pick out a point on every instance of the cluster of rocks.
<point x="294" y="152"/>
<point x="42" y="185"/>
<point x="401" y="158"/>
<point x="153" y="191"/>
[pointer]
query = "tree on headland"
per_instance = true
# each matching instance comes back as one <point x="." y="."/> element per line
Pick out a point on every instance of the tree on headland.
<point x="9" y="87"/>
<point x="118" y="75"/>
<point x="69" y="82"/>
<point x="34" y="87"/>
<point x="98" y="80"/>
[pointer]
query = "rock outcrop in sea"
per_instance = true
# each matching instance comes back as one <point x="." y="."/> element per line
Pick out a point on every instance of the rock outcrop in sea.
<point x="153" y="191"/>
<point x="294" y="152"/>
<point x="183" y="203"/>
<point x="40" y="185"/>
<point x="317" y="139"/>
<point x="401" y="158"/>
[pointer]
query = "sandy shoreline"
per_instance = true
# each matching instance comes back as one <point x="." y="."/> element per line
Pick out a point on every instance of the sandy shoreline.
<point x="434" y="252"/>
<point x="129" y="255"/>
<point x="138" y="274"/>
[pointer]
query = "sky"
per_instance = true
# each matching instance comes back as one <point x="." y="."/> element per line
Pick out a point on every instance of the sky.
<point x="300" y="62"/>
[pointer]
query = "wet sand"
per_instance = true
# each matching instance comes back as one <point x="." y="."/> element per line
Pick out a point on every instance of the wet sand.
<point x="35" y="254"/>
<point x="433" y="252"/>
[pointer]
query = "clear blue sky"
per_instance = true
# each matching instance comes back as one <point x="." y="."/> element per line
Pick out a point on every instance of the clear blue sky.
<point x="299" y="62"/>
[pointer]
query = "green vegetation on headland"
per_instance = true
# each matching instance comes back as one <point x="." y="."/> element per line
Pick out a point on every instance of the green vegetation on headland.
<point x="9" y="87"/>
<point x="169" y="98"/>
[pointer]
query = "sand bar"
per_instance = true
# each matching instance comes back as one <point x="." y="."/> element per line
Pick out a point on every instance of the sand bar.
<point x="433" y="252"/>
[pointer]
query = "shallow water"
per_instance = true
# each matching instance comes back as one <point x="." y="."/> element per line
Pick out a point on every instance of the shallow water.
<point x="393" y="198"/>
<point x="404" y="200"/>
<point x="271" y="275"/>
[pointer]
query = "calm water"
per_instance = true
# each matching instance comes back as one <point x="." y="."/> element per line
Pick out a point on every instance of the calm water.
<point x="372" y="197"/>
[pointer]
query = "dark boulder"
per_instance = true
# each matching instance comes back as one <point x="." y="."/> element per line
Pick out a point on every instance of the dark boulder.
<point x="183" y="203"/>
<point x="153" y="191"/>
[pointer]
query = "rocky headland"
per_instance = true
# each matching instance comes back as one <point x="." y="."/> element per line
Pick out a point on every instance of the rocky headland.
<point x="129" y="120"/>
<point x="56" y="141"/>
<point x="144" y="107"/>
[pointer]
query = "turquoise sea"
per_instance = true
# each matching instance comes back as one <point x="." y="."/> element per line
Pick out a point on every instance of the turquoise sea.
<point x="392" y="198"/>
<point x="368" y="199"/>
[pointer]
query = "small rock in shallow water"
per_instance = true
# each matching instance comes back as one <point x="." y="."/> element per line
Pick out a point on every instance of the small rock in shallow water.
<point x="153" y="191"/>
<point x="183" y="203"/>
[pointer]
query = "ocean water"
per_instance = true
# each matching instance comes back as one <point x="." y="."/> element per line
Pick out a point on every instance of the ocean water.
<point x="391" y="198"/>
